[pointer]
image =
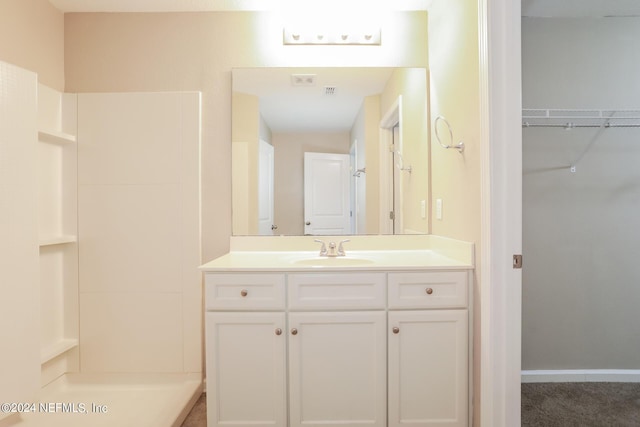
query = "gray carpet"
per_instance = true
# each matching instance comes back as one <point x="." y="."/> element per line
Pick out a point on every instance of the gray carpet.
<point x="198" y="415"/>
<point x="581" y="405"/>
<point x="548" y="405"/>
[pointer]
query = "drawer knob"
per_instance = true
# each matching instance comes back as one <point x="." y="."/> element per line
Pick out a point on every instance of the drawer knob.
<point x="396" y="330"/>
<point x="278" y="331"/>
<point x="429" y="291"/>
<point x="294" y="331"/>
<point x="244" y="293"/>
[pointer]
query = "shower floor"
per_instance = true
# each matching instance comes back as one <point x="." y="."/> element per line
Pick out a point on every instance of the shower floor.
<point x="107" y="400"/>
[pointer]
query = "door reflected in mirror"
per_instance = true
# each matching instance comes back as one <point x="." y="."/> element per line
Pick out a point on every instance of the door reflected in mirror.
<point x="330" y="151"/>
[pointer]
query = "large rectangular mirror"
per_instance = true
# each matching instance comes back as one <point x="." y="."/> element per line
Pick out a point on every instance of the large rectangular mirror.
<point x="330" y="151"/>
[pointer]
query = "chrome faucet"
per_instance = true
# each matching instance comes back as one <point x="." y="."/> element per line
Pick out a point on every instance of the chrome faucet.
<point x="332" y="250"/>
<point x="323" y="248"/>
<point x="341" y="248"/>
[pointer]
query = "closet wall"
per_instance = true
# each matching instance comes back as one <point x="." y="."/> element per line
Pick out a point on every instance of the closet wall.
<point x="581" y="229"/>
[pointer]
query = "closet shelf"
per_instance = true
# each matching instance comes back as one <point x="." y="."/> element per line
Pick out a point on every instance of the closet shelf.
<point x="569" y="119"/>
<point x="56" y="137"/>
<point x="55" y="350"/>
<point x="58" y="240"/>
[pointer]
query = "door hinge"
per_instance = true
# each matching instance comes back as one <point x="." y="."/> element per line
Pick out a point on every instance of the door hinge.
<point x="392" y="215"/>
<point x="517" y="261"/>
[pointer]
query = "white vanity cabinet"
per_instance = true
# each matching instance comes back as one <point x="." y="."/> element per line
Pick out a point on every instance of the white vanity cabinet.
<point x="337" y="351"/>
<point x="246" y="356"/>
<point x="245" y="348"/>
<point x="342" y="348"/>
<point x="428" y="349"/>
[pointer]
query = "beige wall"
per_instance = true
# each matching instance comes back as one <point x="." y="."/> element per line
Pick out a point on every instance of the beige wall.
<point x="372" y="155"/>
<point x="289" y="149"/>
<point x="455" y="94"/>
<point x="245" y="134"/>
<point x="107" y="52"/>
<point x="365" y="134"/>
<point x="32" y="37"/>
<point x="411" y="84"/>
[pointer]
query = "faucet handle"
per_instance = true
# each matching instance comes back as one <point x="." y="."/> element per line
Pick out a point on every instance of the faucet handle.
<point x="341" y="248"/>
<point x="323" y="248"/>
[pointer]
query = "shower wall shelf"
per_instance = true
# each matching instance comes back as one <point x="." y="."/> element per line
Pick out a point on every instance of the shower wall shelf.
<point x="49" y="353"/>
<point x="58" y="240"/>
<point x="570" y="119"/>
<point x="57" y="159"/>
<point x="56" y="137"/>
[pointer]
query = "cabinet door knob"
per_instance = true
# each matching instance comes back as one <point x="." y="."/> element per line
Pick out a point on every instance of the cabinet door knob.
<point x="429" y="291"/>
<point x="294" y="331"/>
<point x="278" y="331"/>
<point x="244" y="293"/>
<point x="396" y="330"/>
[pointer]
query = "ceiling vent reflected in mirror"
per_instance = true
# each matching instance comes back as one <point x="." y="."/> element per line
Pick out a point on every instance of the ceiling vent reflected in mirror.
<point x="330" y="90"/>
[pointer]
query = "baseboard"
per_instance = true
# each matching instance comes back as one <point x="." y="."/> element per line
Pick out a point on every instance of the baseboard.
<point x="581" y="376"/>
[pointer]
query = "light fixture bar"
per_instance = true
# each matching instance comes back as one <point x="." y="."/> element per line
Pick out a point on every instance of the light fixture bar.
<point x="368" y="37"/>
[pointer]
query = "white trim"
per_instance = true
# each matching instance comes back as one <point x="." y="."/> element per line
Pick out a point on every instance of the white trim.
<point x="501" y="211"/>
<point x="581" y="376"/>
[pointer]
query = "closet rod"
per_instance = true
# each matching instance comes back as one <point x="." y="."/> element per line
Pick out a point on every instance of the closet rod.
<point x="576" y="118"/>
<point x="579" y="125"/>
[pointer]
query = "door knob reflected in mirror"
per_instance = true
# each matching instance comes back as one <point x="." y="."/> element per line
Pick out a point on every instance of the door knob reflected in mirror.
<point x="307" y="223"/>
<point x="274" y="227"/>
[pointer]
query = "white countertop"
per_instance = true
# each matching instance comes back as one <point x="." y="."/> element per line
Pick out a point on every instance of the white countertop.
<point x="292" y="254"/>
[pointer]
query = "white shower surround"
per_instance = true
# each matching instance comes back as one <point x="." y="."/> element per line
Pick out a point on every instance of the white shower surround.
<point x="101" y="342"/>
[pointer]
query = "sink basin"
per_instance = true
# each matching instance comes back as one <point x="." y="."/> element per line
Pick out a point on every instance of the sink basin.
<point x="333" y="261"/>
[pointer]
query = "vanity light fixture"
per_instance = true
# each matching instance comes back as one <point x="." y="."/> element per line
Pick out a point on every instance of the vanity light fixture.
<point x="310" y="37"/>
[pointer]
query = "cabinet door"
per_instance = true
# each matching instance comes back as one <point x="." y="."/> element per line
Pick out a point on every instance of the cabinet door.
<point x="246" y="376"/>
<point x="337" y="365"/>
<point x="428" y="366"/>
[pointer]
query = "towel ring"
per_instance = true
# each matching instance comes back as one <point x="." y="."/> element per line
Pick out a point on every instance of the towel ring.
<point x="459" y="146"/>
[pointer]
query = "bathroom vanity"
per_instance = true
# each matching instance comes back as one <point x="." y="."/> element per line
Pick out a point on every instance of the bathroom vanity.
<point x="378" y="337"/>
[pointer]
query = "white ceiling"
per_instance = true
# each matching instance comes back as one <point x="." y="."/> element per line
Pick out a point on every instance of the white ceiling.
<point x="541" y="8"/>
<point x="289" y="108"/>
<point x="222" y="5"/>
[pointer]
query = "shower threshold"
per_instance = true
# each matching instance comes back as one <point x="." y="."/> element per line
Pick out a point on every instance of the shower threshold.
<point x="107" y="400"/>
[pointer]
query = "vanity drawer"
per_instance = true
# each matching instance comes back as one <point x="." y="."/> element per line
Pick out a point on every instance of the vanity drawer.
<point x="438" y="289"/>
<point x="337" y="291"/>
<point x="244" y="291"/>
